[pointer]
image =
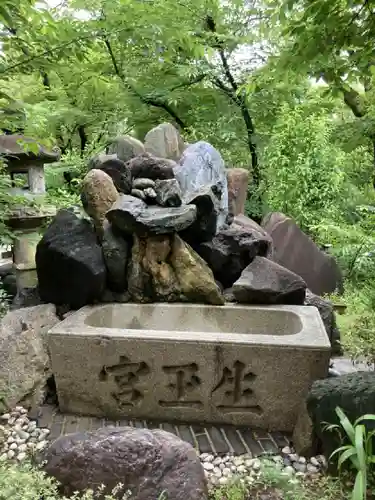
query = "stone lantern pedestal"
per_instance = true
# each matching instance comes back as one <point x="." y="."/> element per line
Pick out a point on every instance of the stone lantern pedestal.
<point x="24" y="157"/>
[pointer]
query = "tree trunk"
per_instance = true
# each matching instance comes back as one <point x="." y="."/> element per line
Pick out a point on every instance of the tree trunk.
<point x="83" y="137"/>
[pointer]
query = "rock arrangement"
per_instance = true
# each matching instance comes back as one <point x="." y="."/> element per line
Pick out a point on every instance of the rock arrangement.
<point x="20" y="438"/>
<point x="160" y="225"/>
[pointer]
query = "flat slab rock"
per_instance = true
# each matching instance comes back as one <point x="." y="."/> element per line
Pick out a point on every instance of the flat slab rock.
<point x="130" y="214"/>
<point x="147" y="462"/>
<point x="265" y="282"/>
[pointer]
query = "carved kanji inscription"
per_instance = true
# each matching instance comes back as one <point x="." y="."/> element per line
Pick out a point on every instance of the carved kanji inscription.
<point x="234" y="391"/>
<point x="129" y="379"/>
<point x="183" y="387"/>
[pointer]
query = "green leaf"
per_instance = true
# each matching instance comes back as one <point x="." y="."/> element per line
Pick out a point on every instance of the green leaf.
<point x="346" y="425"/>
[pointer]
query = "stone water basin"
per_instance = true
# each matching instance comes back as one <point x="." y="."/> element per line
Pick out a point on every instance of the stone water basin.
<point x="231" y="364"/>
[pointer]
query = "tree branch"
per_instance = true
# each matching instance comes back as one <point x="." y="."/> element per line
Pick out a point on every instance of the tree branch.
<point x="150" y="101"/>
<point x="352" y="98"/>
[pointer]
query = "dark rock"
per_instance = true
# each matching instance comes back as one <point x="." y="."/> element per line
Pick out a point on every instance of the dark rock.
<point x="168" y="193"/>
<point x="69" y="262"/>
<point x="265" y="282"/>
<point x="297" y="252"/>
<point x="201" y="165"/>
<point x="116" y="250"/>
<point x="98" y="160"/>
<point x="150" y="167"/>
<point x="119" y="172"/>
<point x="109" y="296"/>
<point x="353" y="393"/>
<point x="129" y="214"/>
<point x="329" y="319"/>
<point x="204" y="227"/>
<point x="149" y="463"/>
<point x="9" y="283"/>
<point x="232" y="249"/>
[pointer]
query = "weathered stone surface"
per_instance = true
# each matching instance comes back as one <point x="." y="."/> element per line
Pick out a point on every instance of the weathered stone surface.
<point x="150" y="193"/>
<point x="26" y="297"/>
<point x="69" y="262"/>
<point x="98" y="160"/>
<point x="265" y="282"/>
<point x="129" y="214"/>
<point x="165" y="269"/>
<point x="353" y="393"/>
<point x="20" y="149"/>
<point x="143" y="183"/>
<point x="204" y="227"/>
<point x="201" y="165"/>
<point x="327" y="314"/>
<point x="139" y="193"/>
<point x="149" y="463"/>
<point x="233" y="248"/>
<point x="126" y="147"/>
<point x="294" y="250"/>
<point x="116" y="250"/>
<point x="150" y="167"/>
<point x="238" y="181"/>
<point x="24" y="361"/>
<point x="168" y="193"/>
<point x="119" y="172"/>
<point x="98" y="195"/>
<point x="164" y="141"/>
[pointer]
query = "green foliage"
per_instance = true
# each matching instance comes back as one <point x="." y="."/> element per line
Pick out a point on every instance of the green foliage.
<point x="359" y="452"/>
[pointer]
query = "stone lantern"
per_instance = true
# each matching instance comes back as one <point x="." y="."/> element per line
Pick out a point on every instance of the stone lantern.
<point x="25" y="158"/>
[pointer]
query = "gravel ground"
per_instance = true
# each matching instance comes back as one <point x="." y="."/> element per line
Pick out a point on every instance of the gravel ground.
<point x="20" y="438"/>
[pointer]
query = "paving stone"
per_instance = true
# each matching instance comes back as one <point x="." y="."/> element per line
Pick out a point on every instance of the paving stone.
<point x="208" y="439"/>
<point x="221" y="446"/>
<point x="254" y="446"/>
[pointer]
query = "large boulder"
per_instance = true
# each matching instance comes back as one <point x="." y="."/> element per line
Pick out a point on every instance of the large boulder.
<point x="24" y="360"/>
<point x="327" y="314"/>
<point x="297" y="252"/>
<point x="233" y="248"/>
<point x="150" y="167"/>
<point x="354" y="393"/>
<point x="265" y="282"/>
<point x="116" y="250"/>
<point x="238" y="181"/>
<point x="166" y="269"/>
<point x="164" y="141"/>
<point x="201" y="165"/>
<point x="151" y="464"/>
<point x="98" y="196"/>
<point x="130" y="214"/>
<point x="126" y="147"/>
<point x="118" y="171"/>
<point x="69" y="262"/>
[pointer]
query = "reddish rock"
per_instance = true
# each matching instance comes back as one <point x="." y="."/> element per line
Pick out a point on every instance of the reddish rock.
<point x="238" y="180"/>
<point x="148" y="463"/>
<point x="297" y="252"/>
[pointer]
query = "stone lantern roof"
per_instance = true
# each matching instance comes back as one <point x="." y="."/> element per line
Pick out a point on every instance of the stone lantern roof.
<point x="13" y="150"/>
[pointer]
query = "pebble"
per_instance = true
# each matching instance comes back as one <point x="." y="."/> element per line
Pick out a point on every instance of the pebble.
<point x="206" y="465"/>
<point x="143" y="183"/>
<point x="150" y="193"/>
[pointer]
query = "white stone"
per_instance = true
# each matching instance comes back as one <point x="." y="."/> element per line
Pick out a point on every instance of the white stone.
<point x="43" y="444"/>
<point x="311" y="469"/>
<point x="206" y="465"/>
<point x="217" y="471"/>
<point x="256" y="464"/>
<point x="11" y="454"/>
<point x="241" y="469"/>
<point x="286" y="450"/>
<point x="302" y="460"/>
<point x="223" y="480"/>
<point x="294" y="457"/>
<point x="208" y="458"/>
<point x="23" y="435"/>
<point x="217" y="461"/>
<point x="21" y="456"/>
<point x="13" y="446"/>
<point x="226" y="471"/>
<point x="22" y="448"/>
<point x="3" y="457"/>
<point x="315" y="462"/>
<point x="5" y="416"/>
<point x="289" y="470"/>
